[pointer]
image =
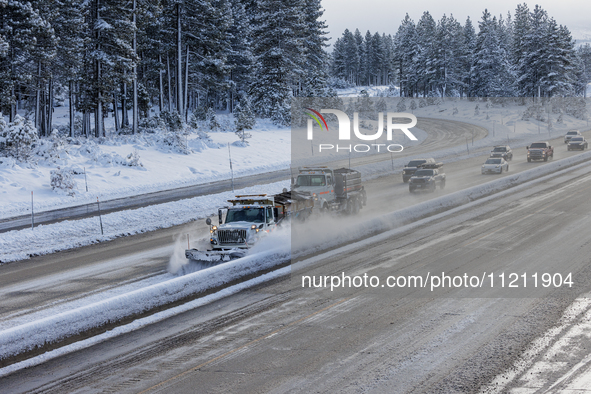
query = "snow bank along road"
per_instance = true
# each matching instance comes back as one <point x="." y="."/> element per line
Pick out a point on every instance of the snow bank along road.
<point x="278" y="336"/>
<point x="442" y="134"/>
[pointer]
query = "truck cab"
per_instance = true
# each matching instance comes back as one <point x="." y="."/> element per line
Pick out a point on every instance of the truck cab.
<point x="319" y="182"/>
<point x="249" y="217"/>
<point x="540" y="151"/>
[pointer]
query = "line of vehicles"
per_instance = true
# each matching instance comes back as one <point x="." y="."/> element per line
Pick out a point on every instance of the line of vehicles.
<point x="426" y="174"/>
<point x="323" y="190"/>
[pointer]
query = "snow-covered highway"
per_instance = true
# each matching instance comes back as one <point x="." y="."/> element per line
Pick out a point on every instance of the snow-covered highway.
<point x="278" y="337"/>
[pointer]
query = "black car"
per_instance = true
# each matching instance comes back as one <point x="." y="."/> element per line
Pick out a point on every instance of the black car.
<point x="502" y="151"/>
<point x="577" y="142"/>
<point x="412" y="166"/>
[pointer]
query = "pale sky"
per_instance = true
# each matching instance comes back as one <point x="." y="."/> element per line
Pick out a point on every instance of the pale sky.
<point x="384" y="16"/>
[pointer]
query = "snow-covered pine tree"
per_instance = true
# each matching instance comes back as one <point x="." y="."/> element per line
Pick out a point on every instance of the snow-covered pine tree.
<point x="377" y="60"/>
<point x="406" y="49"/>
<point x="3" y="46"/>
<point x="531" y="64"/>
<point x="245" y="119"/>
<point x="208" y="37"/>
<point x="352" y="57"/>
<point x="21" y="26"/>
<point x="240" y="58"/>
<point x="557" y="77"/>
<point x="401" y="105"/>
<point x="388" y="65"/>
<point x="366" y="61"/>
<point x="584" y="61"/>
<point x="68" y="24"/>
<point x="490" y="72"/>
<point x="314" y="41"/>
<point x="109" y="56"/>
<point x="337" y="60"/>
<point x="447" y="48"/>
<point x="278" y="52"/>
<point x="150" y="68"/>
<point x="466" y="58"/>
<point x="425" y="59"/>
<point x="19" y="136"/>
<point x="362" y="54"/>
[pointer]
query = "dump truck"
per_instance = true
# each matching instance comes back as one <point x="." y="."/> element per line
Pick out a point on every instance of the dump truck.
<point x="337" y="190"/>
<point x="248" y="218"/>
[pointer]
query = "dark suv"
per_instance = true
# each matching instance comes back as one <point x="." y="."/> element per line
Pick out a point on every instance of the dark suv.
<point x="412" y="166"/>
<point x="427" y="178"/>
<point x="502" y="151"/>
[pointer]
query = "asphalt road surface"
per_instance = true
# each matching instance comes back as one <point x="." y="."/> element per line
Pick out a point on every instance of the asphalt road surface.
<point x="30" y="285"/>
<point x="280" y="337"/>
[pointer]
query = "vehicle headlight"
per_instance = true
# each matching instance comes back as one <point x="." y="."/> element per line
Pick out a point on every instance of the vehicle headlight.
<point x="213" y="229"/>
<point x="253" y="226"/>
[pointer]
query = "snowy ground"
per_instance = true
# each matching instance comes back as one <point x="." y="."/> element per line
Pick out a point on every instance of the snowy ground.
<point x="163" y="168"/>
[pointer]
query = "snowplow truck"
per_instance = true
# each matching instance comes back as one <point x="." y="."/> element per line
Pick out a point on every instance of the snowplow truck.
<point x="246" y="220"/>
<point x="337" y="190"/>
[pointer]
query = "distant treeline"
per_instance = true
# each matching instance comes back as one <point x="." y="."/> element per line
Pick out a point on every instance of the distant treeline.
<point x="528" y="54"/>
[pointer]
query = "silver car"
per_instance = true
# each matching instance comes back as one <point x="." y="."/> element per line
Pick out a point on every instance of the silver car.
<point x="494" y="165"/>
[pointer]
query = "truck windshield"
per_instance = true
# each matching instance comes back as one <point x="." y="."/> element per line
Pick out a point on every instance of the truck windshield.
<point x="538" y="145"/>
<point x="424" y="173"/>
<point x="252" y="215"/>
<point x="311" y="180"/>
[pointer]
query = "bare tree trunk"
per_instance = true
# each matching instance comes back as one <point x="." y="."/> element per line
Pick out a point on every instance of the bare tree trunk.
<point x="185" y="109"/>
<point x="135" y="109"/>
<point x="169" y="84"/>
<point x="99" y="108"/>
<point x="179" y="73"/>
<point x="12" y="90"/>
<point x="124" y="114"/>
<point x="160" y="87"/>
<point x="50" y="107"/>
<point x="231" y="104"/>
<point x="42" y="113"/>
<point x="115" y="112"/>
<point x="71" y="107"/>
<point x="38" y="98"/>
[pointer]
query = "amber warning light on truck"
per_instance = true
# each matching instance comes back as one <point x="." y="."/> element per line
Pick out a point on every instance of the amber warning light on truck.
<point x="344" y="130"/>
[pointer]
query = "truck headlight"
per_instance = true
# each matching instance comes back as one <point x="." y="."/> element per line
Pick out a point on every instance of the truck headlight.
<point x="253" y="226"/>
<point x="213" y="229"/>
